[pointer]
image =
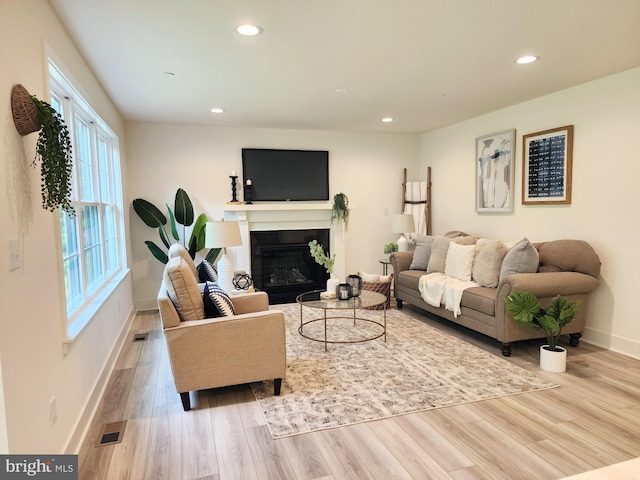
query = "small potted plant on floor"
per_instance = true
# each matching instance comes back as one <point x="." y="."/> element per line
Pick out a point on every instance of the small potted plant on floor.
<point x="525" y="309"/>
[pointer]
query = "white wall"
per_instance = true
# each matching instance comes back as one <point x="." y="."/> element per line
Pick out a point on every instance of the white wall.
<point x="162" y="158"/>
<point x="34" y="368"/>
<point x="606" y="117"/>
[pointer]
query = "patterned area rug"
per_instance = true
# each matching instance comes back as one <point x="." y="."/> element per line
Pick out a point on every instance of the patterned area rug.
<point x="418" y="368"/>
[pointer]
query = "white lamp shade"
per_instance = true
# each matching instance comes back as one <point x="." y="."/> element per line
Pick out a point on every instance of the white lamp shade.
<point x="402" y="223"/>
<point x="222" y="234"/>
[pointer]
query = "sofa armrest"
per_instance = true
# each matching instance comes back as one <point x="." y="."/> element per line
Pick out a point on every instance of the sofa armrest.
<point x="250" y="302"/>
<point x="547" y="285"/>
<point x="400" y="261"/>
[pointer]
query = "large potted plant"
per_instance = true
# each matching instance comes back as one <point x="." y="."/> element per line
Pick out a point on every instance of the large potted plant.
<point x="182" y="214"/>
<point x="53" y="149"/>
<point x="525" y="309"/>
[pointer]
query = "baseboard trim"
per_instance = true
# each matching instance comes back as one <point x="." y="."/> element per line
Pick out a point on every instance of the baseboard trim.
<point x="81" y="428"/>
<point x="615" y="343"/>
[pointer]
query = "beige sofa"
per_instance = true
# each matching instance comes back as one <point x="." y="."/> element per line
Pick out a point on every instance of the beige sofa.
<point x="565" y="267"/>
<point x="205" y="353"/>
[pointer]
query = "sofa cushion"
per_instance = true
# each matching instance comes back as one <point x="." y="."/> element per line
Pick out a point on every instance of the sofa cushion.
<point x="459" y="261"/>
<point x="521" y="258"/>
<point x="177" y="250"/>
<point x="216" y="301"/>
<point x="409" y="278"/>
<point x="488" y="261"/>
<point x="439" y="249"/>
<point x="481" y="299"/>
<point x="207" y="272"/>
<point x="183" y="290"/>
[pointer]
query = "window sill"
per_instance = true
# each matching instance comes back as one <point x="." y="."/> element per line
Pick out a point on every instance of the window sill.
<point x="90" y="310"/>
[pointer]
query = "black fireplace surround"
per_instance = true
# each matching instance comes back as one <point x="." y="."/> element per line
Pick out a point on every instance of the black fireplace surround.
<point x="282" y="265"/>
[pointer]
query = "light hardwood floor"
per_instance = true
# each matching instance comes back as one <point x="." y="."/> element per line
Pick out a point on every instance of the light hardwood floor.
<point x="591" y="421"/>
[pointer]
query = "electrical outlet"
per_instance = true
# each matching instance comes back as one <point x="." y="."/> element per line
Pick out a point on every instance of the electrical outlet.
<point x="53" y="411"/>
<point x="14" y="254"/>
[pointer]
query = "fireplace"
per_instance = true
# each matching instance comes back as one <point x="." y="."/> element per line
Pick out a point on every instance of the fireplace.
<point x="282" y="265"/>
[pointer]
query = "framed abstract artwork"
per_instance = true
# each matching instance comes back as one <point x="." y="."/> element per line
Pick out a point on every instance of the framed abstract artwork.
<point x="495" y="172"/>
<point x="547" y="159"/>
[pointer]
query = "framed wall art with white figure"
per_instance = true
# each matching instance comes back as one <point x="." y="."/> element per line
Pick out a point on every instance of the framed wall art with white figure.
<point x="495" y="172"/>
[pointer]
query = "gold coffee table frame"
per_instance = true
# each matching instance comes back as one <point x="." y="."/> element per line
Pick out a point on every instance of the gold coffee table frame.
<point x="365" y="300"/>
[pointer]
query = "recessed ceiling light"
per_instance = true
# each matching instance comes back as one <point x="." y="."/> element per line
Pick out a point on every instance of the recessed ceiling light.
<point x="342" y="90"/>
<point x="249" y="30"/>
<point x="217" y="110"/>
<point x="387" y="119"/>
<point x="526" y="59"/>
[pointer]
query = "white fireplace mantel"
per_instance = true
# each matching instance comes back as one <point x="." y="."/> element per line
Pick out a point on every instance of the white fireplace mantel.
<point x="283" y="216"/>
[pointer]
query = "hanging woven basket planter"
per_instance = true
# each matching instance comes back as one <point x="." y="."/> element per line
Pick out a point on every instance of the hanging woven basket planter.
<point x="25" y="112"/>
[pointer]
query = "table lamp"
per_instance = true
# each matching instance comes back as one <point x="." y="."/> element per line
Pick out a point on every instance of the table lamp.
<point x="402" y="223"/>
<point x="222" y="235"/>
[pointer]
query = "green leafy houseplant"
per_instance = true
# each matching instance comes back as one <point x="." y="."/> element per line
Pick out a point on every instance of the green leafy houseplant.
<point x="318" y="254"/>
<point x="54" y="152"/>
<point x="390" y="247"/>
<point x="182" y="214"/>
<point x="525" y="309"/>
<point x="340" y="209"/>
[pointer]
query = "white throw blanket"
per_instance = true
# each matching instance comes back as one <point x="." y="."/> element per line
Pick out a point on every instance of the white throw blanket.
<point x="417" y="192"/>
<point x="438" y="288"/>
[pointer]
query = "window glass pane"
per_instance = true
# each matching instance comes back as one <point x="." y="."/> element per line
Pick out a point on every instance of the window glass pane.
<point x="68" y="234"/>
<point x="92" y="247"/>
<point x="72" y="283"/>
<point x="103" y="162"/>
<point x="110" y="244"/>
<point x="83" y="160"/>
<point x="56" y="103"/>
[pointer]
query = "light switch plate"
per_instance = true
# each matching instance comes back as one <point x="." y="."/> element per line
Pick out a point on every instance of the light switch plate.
<point x="14" y="254"/>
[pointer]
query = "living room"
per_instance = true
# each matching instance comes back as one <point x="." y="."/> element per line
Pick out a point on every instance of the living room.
<point x="158" y="158"/>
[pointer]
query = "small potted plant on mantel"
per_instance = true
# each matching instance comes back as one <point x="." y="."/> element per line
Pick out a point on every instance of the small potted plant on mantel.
<point x="525" y="309"/>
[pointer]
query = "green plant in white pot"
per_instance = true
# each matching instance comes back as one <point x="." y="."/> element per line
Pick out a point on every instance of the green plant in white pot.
<point x="389" y="248"/>
<point x="525" y="309"/>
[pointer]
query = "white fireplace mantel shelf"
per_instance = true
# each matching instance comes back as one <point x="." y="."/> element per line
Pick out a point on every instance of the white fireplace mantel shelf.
<point x="280" y="206"/>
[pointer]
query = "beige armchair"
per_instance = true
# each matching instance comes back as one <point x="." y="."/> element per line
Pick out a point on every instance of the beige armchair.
<point x="215" y="352"/>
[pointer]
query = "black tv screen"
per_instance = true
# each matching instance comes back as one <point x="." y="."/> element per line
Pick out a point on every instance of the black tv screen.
<point x="286" y="175"/>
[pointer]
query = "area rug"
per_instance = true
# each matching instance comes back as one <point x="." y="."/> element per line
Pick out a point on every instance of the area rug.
<point x="418" y="368"/>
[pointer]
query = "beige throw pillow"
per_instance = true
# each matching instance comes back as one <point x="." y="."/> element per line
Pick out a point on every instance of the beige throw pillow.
<point x="459" y="261"/>
<point x="183" y="289"/>
<point x="487" y="263"/>
<point x="439" y="248"/>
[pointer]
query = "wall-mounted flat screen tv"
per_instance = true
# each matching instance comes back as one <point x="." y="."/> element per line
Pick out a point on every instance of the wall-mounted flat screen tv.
<point x="286" y="175"/>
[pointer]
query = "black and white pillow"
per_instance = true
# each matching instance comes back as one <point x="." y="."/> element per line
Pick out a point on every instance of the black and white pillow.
<point x="216" y="302"/>
<point x="207" y="272"/>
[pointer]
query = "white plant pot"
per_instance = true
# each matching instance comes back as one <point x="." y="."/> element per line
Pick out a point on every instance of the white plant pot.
<point x="332" y="284"/>
<point x="553" y="361"/>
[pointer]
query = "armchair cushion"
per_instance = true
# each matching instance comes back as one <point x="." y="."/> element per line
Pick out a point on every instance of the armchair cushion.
<point x="177" y="250"/>
<point x="216" y="302"/>
<point x="183" y="289"/>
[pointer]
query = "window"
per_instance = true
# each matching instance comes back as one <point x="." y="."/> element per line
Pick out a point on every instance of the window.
<point x="92" y="239"/>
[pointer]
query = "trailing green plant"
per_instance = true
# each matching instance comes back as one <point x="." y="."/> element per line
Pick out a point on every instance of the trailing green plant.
<point x="56" y="163"/>
<point x="318" y="254"/>
<point x="525" y="309"/>
<point x="340" y="209"/>
<point x="390" y="247"/>
<point x="182" y="214"/>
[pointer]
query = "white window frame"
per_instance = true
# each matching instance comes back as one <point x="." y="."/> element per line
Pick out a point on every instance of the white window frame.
<point x="79" y="313"/>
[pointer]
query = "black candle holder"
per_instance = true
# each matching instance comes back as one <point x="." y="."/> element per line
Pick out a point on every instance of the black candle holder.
<point x="234" y="196"/>
<point x="247" y="194"/>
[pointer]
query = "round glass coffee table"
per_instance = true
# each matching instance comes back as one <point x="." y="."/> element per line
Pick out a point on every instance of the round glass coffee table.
<point x="364" y="300"/>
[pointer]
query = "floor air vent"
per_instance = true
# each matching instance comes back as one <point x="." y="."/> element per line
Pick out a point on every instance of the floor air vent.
<point x="140" y="337"/>
<point x="112" y="433"/>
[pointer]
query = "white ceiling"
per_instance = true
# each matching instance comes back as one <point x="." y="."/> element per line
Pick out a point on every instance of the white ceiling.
<point x="396" y="57"/>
